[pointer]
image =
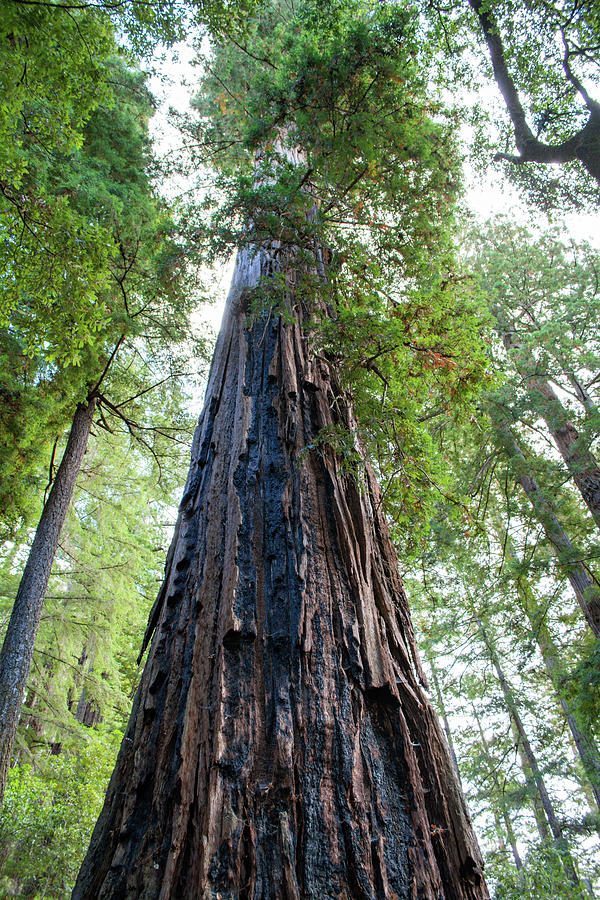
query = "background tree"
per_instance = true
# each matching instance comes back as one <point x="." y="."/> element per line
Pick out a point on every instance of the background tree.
<point x="145" y="307"/>
<point x="109" y="565"/>
<point x="543" y="57"/>
<point x="490" y="556"/>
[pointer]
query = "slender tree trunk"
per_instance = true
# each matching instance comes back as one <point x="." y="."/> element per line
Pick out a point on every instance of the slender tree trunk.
<point x="579" y="460"/>
<point x="553" y="821"/>
<point x="17" y="649"/>
<point x="582" y="738"/>
<point x="538" y="810"/>
<point x="86" y="711"/>
<point x="280" y="745"/>
<point x="585" y="588"/>
<point x="442" y="711"/>
<point x="510" y="832"/>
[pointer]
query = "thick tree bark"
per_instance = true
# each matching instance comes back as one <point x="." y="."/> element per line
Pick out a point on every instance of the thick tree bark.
<point x="585" y="588"/>
<point x="578" y="459"/>
<point x="280" y="745"/>
<point x="17" y="649"/>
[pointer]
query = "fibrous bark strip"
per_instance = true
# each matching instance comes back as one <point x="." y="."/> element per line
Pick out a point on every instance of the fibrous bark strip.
<point x="280" y="745"/>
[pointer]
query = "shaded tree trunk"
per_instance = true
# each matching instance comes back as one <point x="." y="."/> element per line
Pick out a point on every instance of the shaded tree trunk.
<point x="492" y="766"/>
<point x="280" y="745"/>
<point x="579" y="460"/>
<point x="585" y="588"/>
<point x="17" y="649"/>
<point x="86" y="711"/>
<point x="531" y="759"/>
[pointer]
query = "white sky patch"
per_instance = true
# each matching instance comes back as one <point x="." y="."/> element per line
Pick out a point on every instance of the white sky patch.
<point x="485" y="196"/>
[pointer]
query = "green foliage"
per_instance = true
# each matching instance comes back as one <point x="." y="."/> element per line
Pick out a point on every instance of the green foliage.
<point x="52" y="80"/>
<point x="334" y="158"/>
<point x="106" y="575"/>
<point x="56" y="349"/>
<point x="550" y="52"/>
<point x="59" y="68"/>
<point x="489" y="564"/>
<point x="542" y="877"/>
<point x="584" y="685"/>
<point x="546" y="289"/>
<point x="414" y="357"/>
<point x="48" y="816"/>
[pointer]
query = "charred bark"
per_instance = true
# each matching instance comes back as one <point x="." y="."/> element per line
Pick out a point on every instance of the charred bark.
<point x="17" y="649"/>
<point x="280" y="745"/>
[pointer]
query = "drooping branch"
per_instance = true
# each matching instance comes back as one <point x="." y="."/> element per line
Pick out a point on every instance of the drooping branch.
<point x="584" y="145"/>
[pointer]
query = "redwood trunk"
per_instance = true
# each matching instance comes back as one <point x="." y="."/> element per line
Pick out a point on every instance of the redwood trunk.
<point x="17" y="649"/>
<point x="586" y="590"/>
<point x="280" y="745"/>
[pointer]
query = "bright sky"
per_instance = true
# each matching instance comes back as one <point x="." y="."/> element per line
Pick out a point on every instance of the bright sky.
<point x="486" y="198"/>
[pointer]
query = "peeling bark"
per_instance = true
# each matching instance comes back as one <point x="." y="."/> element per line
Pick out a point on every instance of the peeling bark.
<point x="280" y="745"/>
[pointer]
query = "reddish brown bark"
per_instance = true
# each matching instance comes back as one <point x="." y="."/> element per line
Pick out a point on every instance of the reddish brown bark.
<point x="280" y="745"/>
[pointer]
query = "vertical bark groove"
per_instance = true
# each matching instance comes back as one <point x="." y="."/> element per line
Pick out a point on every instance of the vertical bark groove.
<point x="280" y="745"/>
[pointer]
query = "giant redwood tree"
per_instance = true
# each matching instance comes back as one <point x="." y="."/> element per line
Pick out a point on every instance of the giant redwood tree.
<point x="281" y="744"/>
